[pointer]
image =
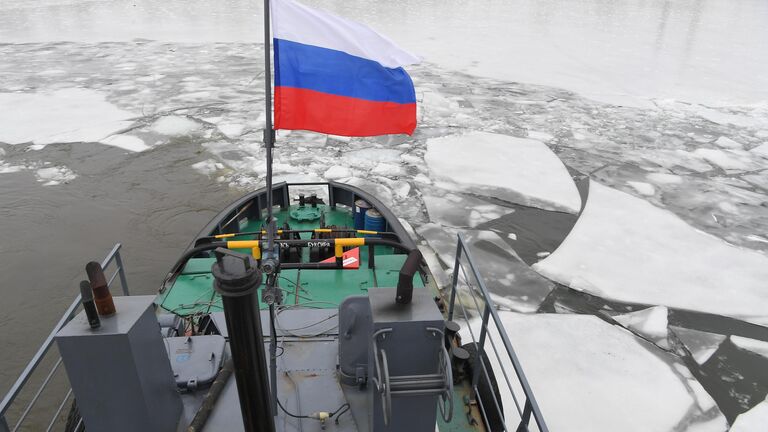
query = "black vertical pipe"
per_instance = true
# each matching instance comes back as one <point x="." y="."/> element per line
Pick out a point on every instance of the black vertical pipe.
<point x="237" y="279"/>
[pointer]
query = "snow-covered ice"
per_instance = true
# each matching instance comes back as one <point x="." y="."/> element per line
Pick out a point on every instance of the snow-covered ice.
<point x="726" y="142"/>
<point x="521" y="170"/>
<point x="650" y="323"/>
<point x="642" y="188"/>
<point x="337" y="172"/>
<point x="756" y="346"/>
<point x="208" y="166"/>
<point x="174" y="126"/>
<point x="728" y="160"/>
<point x="588" y="375"/>
<point x="126" y="142"/>
<point x="64" y="115"/>
<point x="761" y="150"/>
<point x="626" y="249"/>
<point x="52" y="176"/>
<point x="231" y="130"/>
<point x="461" y="210"/>
<point x="754" y="420"/>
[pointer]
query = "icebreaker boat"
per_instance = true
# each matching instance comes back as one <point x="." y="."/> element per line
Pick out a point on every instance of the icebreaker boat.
<point x="339" y="327"/>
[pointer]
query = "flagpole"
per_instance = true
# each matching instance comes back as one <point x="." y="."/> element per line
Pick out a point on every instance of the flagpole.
<point x="268" y="132"/>
<point x="271" y="226"/>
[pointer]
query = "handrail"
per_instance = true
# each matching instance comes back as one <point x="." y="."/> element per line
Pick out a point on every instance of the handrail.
<point x="18" y="386"/>
<point x="480" y="371"/>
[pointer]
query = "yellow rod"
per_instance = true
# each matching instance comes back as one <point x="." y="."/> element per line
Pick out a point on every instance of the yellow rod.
<point x="243" y="244"/>
<point x="354" y="241"/>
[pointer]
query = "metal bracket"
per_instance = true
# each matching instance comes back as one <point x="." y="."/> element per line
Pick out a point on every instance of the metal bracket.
<point x="264" y="136"/>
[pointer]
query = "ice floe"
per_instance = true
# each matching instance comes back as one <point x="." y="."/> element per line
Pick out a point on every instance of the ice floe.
<point x="64" y="115"/>
<point x="700" y="344"/>
<point x="462" y="210"/>
<point x="756" y="346"/>
<point x="588" y="375"/>
<point x="642" y="188"/>
<point x="761" y="150"/>
<point x="728" y="160"/>
<point x="231" y="130"/>
<point x="337" y="172"/>
<point x="52" y="176"/>
<point x="650" y="323"/>
<point x="726" y="142"/>
<point x="208" y="166"/>
<point x="174" y="126"/>
<point x="126" y="142"/>
<point x="754" y="420"/>
<point x="518" y="169"/>
<point x="626" y="249"/>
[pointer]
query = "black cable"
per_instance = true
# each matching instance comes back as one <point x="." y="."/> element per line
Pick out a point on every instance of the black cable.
<point x="340" y="410"/>
<point x="289" y="413"/>
<point x="344" y="408"/>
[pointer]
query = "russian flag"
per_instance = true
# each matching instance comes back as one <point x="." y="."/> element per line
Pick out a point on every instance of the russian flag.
<point x="337" y="76"/>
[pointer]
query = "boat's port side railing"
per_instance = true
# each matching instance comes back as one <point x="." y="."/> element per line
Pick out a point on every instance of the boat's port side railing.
<point x="469" y="297"/>
<point x="21" y="383"/>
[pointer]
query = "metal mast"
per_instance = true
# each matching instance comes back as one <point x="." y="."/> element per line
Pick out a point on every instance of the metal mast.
<point x="268" y="132"/>
<point x="270" y="263"/>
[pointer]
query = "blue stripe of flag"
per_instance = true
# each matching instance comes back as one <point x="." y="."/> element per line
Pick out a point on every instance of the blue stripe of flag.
<point x="338" y="73"/>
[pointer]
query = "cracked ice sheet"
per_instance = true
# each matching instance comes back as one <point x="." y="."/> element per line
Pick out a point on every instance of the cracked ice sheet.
<point x="65" y="115"/>
<point x="754" y="345"/>
<point x="461" y="210"/>
<point x="521" y="170"/>
<point x="700" y="344"/>
<point x="626" y="249"/>
<point x="514" y="284"/>
<point x="588" y="375"/>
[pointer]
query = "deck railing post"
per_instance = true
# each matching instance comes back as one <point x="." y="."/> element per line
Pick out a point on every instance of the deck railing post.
<point x="455" y="281"/>
<point x="481" y="345"/>
<point x="121" y="272"/>
<point x="526" y="418"/>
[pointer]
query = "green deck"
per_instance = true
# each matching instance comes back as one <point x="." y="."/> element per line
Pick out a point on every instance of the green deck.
<point x="193" y="293"/>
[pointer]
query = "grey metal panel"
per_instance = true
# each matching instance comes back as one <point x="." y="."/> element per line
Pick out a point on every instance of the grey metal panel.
<point x="120" y="373"/>
<point x="410" y="350"/>
<point x="226" y="415"/>
<point x="195" y="360"/>
<point x="311" y="385"/>
<point x="354" y="337"/>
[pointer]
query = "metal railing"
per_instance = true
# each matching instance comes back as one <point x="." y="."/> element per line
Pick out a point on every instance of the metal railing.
<point x="19" y="385"/>
<point x="488" y="344"/>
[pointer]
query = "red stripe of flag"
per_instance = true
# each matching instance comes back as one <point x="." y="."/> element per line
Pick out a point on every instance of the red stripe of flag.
<point x="340" y="115"/>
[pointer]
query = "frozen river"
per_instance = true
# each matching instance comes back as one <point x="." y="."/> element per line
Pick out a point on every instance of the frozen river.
<point x="135" y="121"/>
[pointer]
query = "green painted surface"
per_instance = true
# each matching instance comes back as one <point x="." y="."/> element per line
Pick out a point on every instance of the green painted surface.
<point x="193" y="292"/>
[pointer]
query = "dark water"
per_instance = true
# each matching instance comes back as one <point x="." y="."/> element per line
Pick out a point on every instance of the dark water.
<point x="151" y="202"/>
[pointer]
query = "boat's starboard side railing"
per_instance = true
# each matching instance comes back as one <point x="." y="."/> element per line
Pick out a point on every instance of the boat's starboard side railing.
<point x="489" y="337"/>
<point x="113" y="257"/>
